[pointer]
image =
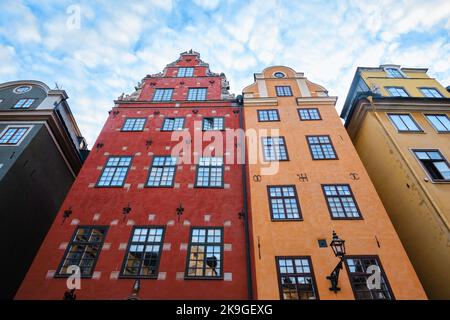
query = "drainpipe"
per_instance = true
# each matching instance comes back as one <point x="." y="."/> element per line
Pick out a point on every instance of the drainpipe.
<point x="245" y="205"/>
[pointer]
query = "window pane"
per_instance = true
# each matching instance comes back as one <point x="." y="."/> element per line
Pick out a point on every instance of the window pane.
<point x="205" y="253"/>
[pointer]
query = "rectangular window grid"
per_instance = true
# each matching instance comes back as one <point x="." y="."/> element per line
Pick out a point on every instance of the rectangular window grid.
<point x="341" y="203"/>
<point x="143" y="253"/>
<point x="358" y="274"/>
<point x="115" y="171"/>
<point x="162" y="172"/>
<point x="440" y="122"/>
<point x="404" y="122"/>
<point x="210" y="172"/>
<point x="13" y="135"/>
<point x="23" y="104"/>
<point x="309" y="114"/>
<point x="173" y="124"/>
<point x="296" y="278"/>
<point x="431" y="92"/>
<point x="197" y="94"/>
<point x="274" y="149"/>
<point x="434" y="163"/>
<point x="83" y="250"/>
<point x="394" y="73"/>
<point x="205" y="254"/>
<point x="163" y="95"/>
<point x="185" y="72"/>
<point x="397" y="92"/>
<point x="268" y="115"/>
<point x="213" y="123"/>
<point x="283" y="91"/>
<point x="321" y="148"/>
<point x="284" y="203"/>
<point x="134" y="124"/>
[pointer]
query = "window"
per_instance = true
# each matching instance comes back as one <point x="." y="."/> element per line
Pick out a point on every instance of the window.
<point x="214" y="123"/>
<point x="431" y="93"/>
<point x="115" y="171"/>
<point x="22" y="89"/>
<point x="357" y="268"/>
<point x="185" y="72"/>
<point x="13" y="135"/>
<point x="163" y="95"/>
<point x="440" y="122"/>
<point x="173" y="124"/>
<point x="283" y="203"/>
<point x="268" y="115"/>
<point x="296" y="278"/>
<point x="143" y="253"/>
<point x="210" y="172"/>
<point x="341" y="203"/>
<point x="434" y="163"/>
<point x="197" y="94"/>
<point x="283" y="91"/>
<point x="321" y="147"/>
<point x="397" y="92"/>
<point x="274" y="149"/>
<point x="23" y="104"/>
<point x="134" y="124"/>
<point x="279" y="75"/>
<point x="162" y="172"/>
<point x="404" y="122"/>
<point x="205" y="254"/>
<point x="83" y="250"/>
<point x="394" y="73"/>
<point x="309" y="114"/>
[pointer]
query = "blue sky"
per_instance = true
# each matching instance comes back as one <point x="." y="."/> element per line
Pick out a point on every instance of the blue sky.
<point x="119" y="42"/>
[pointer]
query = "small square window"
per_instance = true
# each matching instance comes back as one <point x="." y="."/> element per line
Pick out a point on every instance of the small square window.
<point x="431" y="93"/>
<point x="114" y="172"/>
<point x="268" y="115"/>
<point x="309" y="114"/>
<point x="213" y="123"/>
<point x="163" y="94"/>
<point x="23" y="104"/>
<point x="13" y="135"/>
<point x="283" y="91"/>
<point x="440" y="122"/>
<point x="274" y="149"/>
<point x="404" y="122"/>
<point x="133" y="124"/>
<point x="173" y="124"/>
<point x="197" y="94"/>
<point x="185" y="72"/>
<point x="434" y="163"/>
<point x="397" y="92"/>
<point x="341" y="203"/>
<point x="321" y="148"/>
<point x="162" y="172"/>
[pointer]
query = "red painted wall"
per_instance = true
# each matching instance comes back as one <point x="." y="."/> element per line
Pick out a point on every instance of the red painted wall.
<point x="86" y="201"/>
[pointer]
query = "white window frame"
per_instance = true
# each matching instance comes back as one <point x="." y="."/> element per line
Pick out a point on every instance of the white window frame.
<point x="28" y="127"/>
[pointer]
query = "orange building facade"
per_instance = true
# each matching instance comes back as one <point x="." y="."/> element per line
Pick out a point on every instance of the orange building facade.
<point x="305" y="181"/>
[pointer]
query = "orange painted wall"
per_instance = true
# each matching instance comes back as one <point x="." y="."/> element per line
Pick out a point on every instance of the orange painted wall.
<point x="300" y="238"/>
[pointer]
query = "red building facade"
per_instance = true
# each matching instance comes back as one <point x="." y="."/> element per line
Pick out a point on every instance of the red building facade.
<point x="143" y="208"/>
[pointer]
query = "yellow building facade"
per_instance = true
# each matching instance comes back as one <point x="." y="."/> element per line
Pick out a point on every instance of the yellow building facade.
<point x="305" y="180"/>
<point x="398" y="120"/>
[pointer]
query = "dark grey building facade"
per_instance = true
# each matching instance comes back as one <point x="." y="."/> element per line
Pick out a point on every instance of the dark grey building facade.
<point x="41" y="153"/>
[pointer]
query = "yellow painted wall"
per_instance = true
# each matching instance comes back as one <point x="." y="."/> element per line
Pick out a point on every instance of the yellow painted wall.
<point x="399" y="180"/>
<point x="412" y="83"/>
<point x="300" y="238"/>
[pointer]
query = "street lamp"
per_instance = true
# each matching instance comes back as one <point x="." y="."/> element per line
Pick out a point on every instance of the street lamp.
<point x="338" y="246"/>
